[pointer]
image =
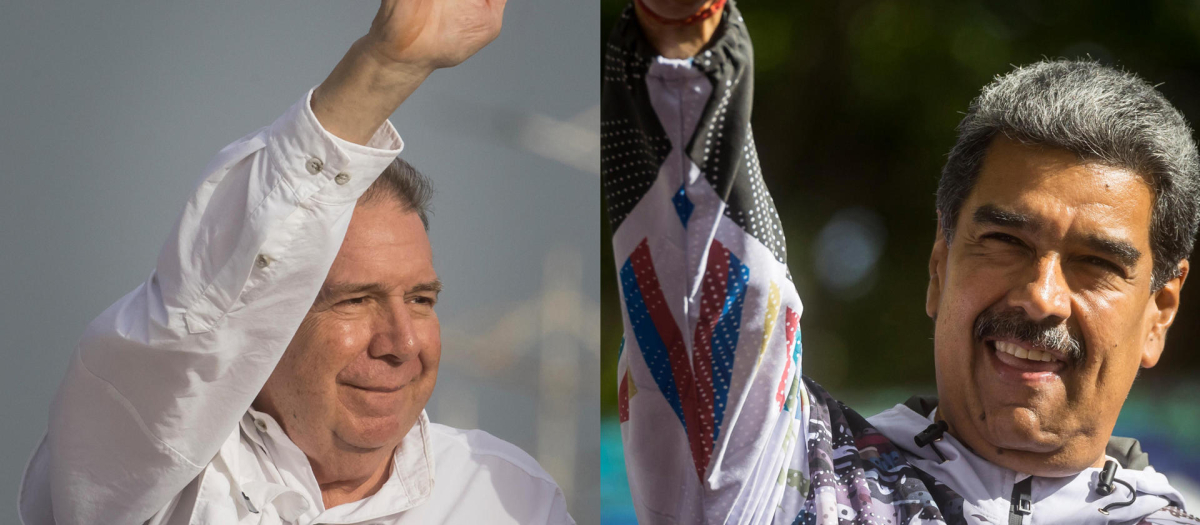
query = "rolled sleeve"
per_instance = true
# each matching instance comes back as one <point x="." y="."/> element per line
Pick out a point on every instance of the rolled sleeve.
<point x="317" y="164"/>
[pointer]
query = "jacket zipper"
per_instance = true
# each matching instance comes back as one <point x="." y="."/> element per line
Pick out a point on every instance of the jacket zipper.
<point x="1021" y="504"/>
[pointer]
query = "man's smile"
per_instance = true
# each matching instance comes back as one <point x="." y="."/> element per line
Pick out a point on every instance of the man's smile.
<point x="1017" y="362"/>
<point x="382" y="388"/>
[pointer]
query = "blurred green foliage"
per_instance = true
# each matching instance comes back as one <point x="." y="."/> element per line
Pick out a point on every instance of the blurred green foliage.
<point x="856" y="104"/>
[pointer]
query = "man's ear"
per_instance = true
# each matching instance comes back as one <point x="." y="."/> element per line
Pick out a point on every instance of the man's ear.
<point x="1160" y="313"/>
<point x="937" y="271"/>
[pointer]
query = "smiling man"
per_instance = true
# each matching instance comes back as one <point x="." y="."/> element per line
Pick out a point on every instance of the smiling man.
<point x="1067" y="211"/>
<point x="1045" y="273"/>
<point x="275" y="366"/>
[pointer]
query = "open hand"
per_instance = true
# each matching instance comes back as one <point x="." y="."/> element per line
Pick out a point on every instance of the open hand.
<point x="432" y="34"/>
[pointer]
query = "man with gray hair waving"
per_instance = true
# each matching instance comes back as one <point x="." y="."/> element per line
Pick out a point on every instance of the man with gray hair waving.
<point x="1067" y="211"/>
<point x="276" y="365"/>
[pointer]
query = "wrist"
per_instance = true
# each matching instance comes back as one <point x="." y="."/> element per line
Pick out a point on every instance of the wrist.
<point x="362" y="91"/>
<point x="383" y="64"/>
<point x="680" y="13"/>
<point x="679" y="40"/>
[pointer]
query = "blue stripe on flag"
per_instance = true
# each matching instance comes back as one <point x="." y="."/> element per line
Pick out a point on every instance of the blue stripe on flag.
<point x="725" y="338"/>
<point x="653" y="349"/>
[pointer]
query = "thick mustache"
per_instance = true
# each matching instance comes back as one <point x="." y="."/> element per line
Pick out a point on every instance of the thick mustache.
<point x="1014" y="324"/>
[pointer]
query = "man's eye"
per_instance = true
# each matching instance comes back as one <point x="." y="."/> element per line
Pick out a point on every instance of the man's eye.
<point x="354" y="301"/>
<point x="1002" y="237"/>
<point x="422" y="300"/>
<point x="1104" y="264"/>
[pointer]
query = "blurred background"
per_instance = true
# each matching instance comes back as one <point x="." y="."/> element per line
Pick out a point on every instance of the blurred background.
<point x="109" y="111"/>
<point x="855" y="108"/>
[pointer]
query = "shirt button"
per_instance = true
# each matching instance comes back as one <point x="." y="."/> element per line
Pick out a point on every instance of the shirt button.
<point x="342" y="178"/>
<point x="314" y="165"/>
<point x="261" y="425"/>
<point x="262" y="261"/>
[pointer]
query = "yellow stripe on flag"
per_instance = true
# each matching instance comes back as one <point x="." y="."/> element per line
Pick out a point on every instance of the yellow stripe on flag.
<point x="769" y="321"/>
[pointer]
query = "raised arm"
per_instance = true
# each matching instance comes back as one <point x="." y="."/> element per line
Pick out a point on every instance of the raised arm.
<point x="407" y="41"/>
<point x="709" y="393"/>
<point x="161" y="378"/>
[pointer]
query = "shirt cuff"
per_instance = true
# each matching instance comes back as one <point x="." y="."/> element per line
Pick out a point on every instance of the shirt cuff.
<point x="315" y="164"/>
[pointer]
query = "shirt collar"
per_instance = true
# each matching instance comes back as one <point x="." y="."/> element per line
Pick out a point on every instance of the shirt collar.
<point x="410" y="483"/>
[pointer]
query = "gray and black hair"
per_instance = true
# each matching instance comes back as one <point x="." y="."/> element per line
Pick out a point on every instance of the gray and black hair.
<point x="407" y="186"/>
<point x="1100" y="114"/>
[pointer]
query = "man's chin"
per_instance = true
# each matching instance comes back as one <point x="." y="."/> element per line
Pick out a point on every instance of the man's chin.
<point x="1013" y="439"/>
<point x="1018" y="429"/>
<point x="366" y="434"/>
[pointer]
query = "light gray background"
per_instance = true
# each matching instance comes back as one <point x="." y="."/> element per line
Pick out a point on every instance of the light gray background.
<point x="109" y="110"/>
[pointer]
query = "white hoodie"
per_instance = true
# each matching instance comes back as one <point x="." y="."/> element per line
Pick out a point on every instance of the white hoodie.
<point x="987" y="488"/>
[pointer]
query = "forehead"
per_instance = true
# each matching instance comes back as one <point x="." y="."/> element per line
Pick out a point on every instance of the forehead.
<point x="384" y="244"/>
<point x="1061" y="191"/>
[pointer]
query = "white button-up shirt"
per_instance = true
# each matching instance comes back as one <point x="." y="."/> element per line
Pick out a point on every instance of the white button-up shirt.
<point x="152" y="423"/>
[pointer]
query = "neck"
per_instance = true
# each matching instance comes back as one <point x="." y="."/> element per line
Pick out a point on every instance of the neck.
<point x="352" y="476"/>
<point x="678" y="41"/>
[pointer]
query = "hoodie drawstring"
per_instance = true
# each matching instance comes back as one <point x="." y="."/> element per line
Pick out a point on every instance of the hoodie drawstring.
<point x="1104" y="486"/>
<point x="931" y="434"/>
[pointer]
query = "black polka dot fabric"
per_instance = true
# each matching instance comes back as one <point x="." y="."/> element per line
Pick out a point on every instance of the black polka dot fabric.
<point x="723" y="146"/>
<point x="633" y="144"/>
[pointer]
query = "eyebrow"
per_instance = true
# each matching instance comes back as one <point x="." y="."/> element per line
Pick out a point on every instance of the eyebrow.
<point x="434" y="286"/>
<point x="1121" y="250"/>
<point x="339" y="289"/>
<point x="990" y="214"/>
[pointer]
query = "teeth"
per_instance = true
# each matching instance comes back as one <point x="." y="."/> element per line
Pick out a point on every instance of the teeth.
<point x="1032" y="355"/>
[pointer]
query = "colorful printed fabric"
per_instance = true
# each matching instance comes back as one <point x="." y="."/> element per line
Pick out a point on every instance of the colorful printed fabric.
<point x="717" y="422"/>
<point x="709" y="374"/>
<point x="1169" y="515"/>
<point x="861" y="475"/>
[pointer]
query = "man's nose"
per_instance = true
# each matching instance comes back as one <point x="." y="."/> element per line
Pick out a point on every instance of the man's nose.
<point x="395" y="336"/>
<point x="1047" y="294"/>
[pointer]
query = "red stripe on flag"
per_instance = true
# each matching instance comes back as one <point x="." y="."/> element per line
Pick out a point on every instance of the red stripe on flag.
<point x="791" y="324"/>
<point x="681" y="368"/>
<point x="712" y="302"/>
<point x="623" y="398"/>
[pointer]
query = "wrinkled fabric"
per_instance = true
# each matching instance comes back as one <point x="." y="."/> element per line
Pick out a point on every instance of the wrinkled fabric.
<point x="1069" y="499"/>
<point x="152" y="423"/>
<point x="718" y="423"/>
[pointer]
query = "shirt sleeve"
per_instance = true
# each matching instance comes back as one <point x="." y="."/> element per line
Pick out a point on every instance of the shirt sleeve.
<point x="710" y="398"/>
<point x="161" y="378"/>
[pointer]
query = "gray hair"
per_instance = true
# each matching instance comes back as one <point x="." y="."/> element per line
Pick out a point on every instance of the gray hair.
<point x="407" y="186"/>
<point x="1100" y="114"/>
